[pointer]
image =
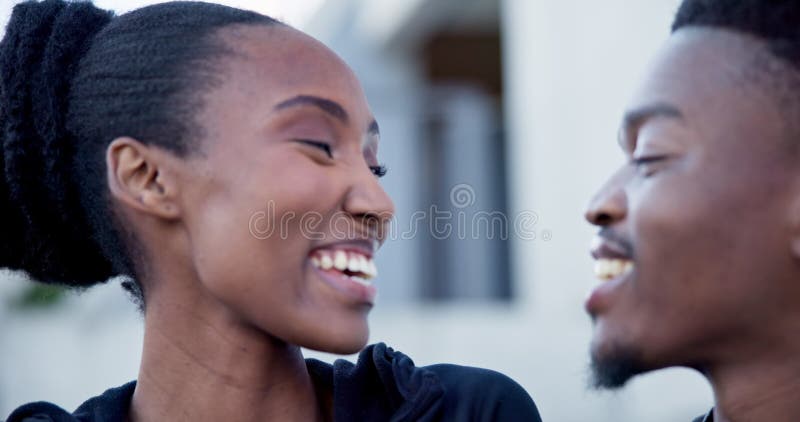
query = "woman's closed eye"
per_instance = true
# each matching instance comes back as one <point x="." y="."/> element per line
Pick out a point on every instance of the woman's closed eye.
<point x="379" y="170"/>
<point x="323" y="146"/>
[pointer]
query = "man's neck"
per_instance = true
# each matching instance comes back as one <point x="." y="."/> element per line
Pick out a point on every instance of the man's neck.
<point x="765" y="389"/>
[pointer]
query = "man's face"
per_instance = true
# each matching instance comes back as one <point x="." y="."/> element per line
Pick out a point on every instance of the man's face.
<point x="699" y="223"/>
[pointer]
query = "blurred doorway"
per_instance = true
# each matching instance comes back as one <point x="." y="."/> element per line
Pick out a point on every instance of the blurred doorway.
<point x="463" y="151"/>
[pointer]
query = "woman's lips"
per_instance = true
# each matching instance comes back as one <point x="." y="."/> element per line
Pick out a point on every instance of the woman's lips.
<point x="349" y="272"/>
<point x="364" y="246"/>
<point x="351" y="263"/>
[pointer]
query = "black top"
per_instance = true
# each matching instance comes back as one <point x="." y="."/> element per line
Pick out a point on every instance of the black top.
<point x="383" y="386"/>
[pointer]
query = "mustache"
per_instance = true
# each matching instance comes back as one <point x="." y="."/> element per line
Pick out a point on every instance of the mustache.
<point x="611" y="236"/>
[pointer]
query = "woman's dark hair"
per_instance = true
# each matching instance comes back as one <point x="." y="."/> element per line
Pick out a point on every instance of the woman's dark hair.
<point x="72" y="79"/>
<point x="777" y="22"/>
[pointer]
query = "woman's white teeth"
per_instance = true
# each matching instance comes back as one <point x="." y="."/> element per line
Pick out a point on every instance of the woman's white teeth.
<point x="359" y="267"/>
<point x="363" y="264"/>
<point x="372" y="270"/>
<point x="360" y="280"/>
<point x="609" y="269"/>
<point x="354" y="265"/>
<point x="325" y="262"/>
<point x="340" y="260"/>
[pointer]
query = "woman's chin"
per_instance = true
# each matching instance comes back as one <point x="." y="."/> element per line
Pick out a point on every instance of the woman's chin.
<point x="347" y="349"/>
<point x="340" y="342"/>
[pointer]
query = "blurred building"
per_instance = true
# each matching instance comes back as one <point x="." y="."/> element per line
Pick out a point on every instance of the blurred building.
<point x="498" y="121"/>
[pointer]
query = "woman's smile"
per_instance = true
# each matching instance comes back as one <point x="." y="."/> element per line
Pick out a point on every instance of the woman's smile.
<point x="348" y="267"/>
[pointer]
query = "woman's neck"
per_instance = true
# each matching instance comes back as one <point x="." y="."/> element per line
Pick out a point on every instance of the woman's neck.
<point x="201" y="364"/>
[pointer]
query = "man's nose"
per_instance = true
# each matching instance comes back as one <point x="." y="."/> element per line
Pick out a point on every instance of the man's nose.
<point x="610" y="204"/>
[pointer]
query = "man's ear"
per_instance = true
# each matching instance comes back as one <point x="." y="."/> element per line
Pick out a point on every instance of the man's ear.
<point x="139" y="176"/>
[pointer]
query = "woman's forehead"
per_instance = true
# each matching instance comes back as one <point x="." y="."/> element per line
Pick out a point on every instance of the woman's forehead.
<point x="275" y="63"/>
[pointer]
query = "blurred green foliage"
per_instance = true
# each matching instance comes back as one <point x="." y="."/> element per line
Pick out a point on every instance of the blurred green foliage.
<point x="39" y="296"/>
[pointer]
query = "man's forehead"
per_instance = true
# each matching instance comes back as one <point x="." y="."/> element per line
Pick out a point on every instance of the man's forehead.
<point x="696" y="58"/>
<point x="701" y="69"/>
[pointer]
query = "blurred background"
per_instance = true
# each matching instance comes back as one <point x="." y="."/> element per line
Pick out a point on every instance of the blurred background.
<point x="500" y="115"/>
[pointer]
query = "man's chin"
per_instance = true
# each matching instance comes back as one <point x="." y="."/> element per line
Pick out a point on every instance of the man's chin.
<point x="612" y="368"/>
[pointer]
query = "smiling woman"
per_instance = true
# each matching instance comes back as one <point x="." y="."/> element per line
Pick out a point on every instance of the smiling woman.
<point x="142" y="145"/>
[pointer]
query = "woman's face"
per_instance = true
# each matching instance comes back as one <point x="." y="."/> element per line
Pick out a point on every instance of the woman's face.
<point x="283" y="207"/>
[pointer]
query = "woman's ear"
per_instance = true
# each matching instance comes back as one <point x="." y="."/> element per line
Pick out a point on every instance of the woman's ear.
<point x="794" y="226"/>
<point x="140" y="177"/>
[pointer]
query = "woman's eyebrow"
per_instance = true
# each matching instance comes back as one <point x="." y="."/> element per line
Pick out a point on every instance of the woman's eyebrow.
<point x="328" y="106"/>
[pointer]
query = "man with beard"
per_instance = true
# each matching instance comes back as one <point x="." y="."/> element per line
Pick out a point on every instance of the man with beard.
<point x="699" y="240"/>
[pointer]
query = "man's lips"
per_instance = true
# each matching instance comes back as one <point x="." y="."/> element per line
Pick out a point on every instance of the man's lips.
<point x="611" y="259"/>
<point x="606" y="248"/>
<point x="613" y="265"/>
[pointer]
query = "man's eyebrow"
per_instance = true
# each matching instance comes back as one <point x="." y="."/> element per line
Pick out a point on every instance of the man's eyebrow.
<point x="633" y="119"/>
<point x="328" y="106"/>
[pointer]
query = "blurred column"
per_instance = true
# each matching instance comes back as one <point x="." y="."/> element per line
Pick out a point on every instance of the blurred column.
<point x="466" y="257"/>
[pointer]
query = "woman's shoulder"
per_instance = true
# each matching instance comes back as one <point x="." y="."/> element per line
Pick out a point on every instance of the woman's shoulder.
<point x="110" y="406"/>
<point x="40" y="412"/>
<point x="484" y="394"/>
<point x="385" y="382"/>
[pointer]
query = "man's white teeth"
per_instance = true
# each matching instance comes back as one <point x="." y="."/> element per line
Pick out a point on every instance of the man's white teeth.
<point x="609" y="269"/>
<point x="340" y="260"/>
<point x="360" y="267"/>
